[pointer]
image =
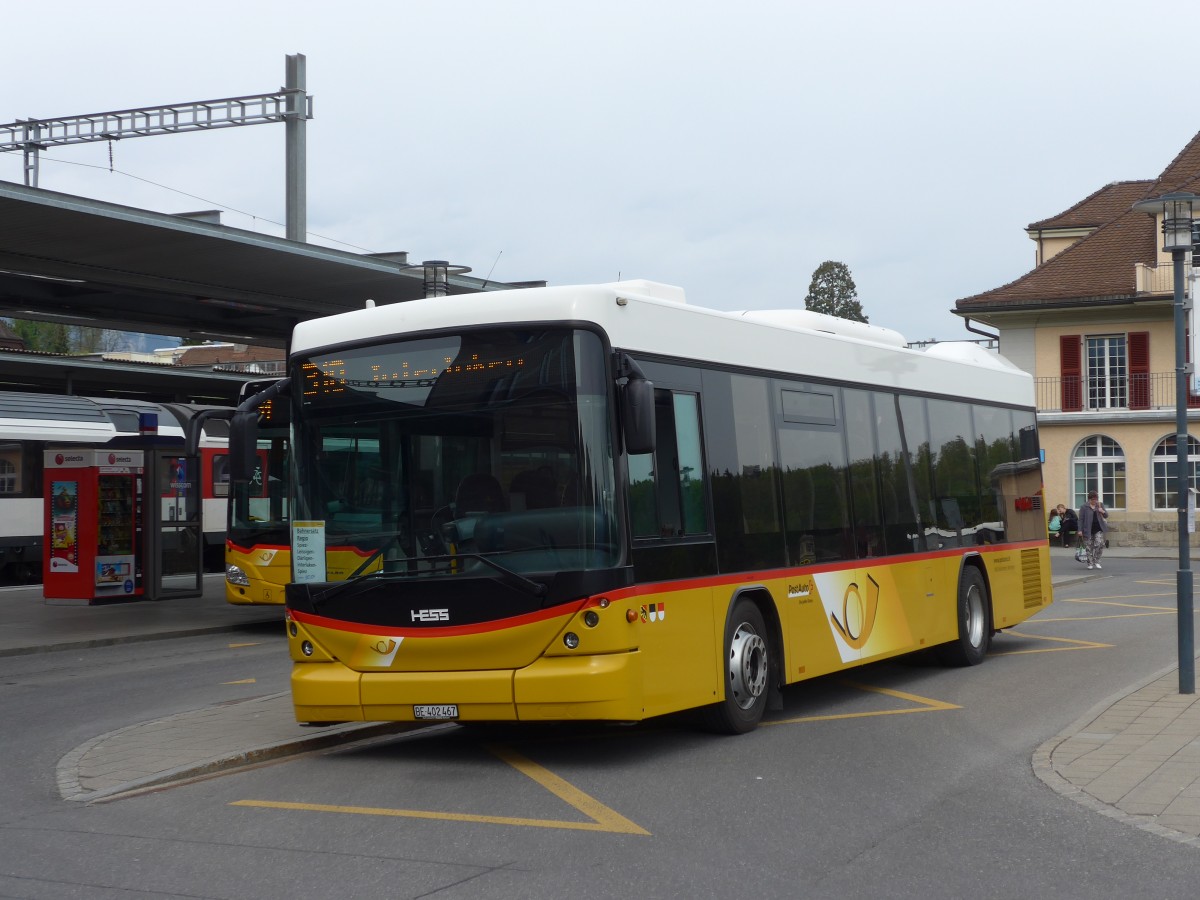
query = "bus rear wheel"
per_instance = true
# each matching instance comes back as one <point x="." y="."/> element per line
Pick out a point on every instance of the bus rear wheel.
<point x="746" y="666"/>
<point x="974" y="625"/>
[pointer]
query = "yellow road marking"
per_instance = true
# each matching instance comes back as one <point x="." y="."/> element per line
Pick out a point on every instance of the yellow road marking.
<point x="246" y="644"/>
<point x="243" y="681"/>
<point x="925" y="704"/>
<point x="1099" y="618"/>
<point x="1114" y="597"/>
<point x="1077" y="645"/>
<point x="1111" y="601"/>
<point x="602" y="817"/>
<point x="1146" y="611"/>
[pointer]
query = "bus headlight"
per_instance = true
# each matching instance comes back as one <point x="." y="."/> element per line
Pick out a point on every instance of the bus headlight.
<point x="571" y="639"/>
<point x="235" y="575"/>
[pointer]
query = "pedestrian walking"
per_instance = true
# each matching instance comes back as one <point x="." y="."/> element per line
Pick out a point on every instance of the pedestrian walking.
<point x="1093" y="529"/>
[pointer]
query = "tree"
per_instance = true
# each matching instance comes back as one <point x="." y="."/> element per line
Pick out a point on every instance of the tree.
<point x="45" y="337"/>
<point x="832" y="292"/>
<point x="54" y="337"/>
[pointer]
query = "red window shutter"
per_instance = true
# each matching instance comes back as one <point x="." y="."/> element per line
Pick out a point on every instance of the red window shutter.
<point x="1070" y="354"/>
<point x="1138" y="343"/>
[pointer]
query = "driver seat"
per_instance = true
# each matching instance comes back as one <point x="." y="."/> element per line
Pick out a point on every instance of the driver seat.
<point x="479" y="493"/>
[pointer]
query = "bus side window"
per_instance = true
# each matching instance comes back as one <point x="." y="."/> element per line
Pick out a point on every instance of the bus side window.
<point x="666" y="488"/>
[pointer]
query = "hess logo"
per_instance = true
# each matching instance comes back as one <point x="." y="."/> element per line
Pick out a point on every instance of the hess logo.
<point x="431" y="615"/>
<point x="858" y="615"/>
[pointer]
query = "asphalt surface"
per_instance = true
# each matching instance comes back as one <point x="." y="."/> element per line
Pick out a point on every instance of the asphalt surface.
<point x="1134" y="757"/>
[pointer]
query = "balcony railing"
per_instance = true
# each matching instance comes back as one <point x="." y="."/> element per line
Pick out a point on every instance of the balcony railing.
<point x="1159" y="279"/>
<point x="1134" y="392"/>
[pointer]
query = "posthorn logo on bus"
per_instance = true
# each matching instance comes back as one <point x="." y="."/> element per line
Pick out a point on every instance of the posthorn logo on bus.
<point x="858" y="615"/>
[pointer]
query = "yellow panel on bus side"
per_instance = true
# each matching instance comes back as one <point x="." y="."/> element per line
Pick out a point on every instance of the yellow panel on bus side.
<point x="1020" y="583"/>
<point x="836" y="619"/>
<point x="681" y="655"/>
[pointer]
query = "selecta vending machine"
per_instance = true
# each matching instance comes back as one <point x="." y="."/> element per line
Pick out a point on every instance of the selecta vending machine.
<point x="94" y="523"/>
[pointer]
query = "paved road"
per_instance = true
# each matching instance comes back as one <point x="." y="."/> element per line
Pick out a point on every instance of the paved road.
<point x="841" y="778"/>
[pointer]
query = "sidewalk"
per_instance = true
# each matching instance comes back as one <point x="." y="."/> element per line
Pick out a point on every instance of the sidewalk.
<point x="1135" y="757"/>
<point x="187" y="745"/>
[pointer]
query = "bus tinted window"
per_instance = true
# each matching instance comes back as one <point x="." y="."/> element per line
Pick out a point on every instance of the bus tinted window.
<point x="916" y="435"/>
<point x="899" y="517"/>
<point x="860" y="438"/>
<point x="816" y="493"/>
<point x="744" y="473"/>
<point x="666" y="488"/>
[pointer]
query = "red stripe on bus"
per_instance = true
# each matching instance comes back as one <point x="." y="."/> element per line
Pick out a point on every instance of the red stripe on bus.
<point x="662" y="587"/>
<point x="355" y="550"/>
<point x="541" y="615"/>
<point x="640" y="590"/>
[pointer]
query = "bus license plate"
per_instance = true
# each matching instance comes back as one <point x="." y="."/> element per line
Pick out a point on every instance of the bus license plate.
<point x="436" y="711"/>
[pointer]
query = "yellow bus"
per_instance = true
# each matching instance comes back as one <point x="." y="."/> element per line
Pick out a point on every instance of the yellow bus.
<point x="258" y="558"/>
<point x="601" y="503"/>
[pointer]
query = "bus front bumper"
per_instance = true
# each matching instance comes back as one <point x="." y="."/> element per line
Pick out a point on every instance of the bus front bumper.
<point x="577" y="688"/>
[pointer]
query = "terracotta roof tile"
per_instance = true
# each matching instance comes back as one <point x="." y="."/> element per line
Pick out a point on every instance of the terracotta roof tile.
<point x="1101" y="266"/>
<point x="1096" y="209"/>
<point x="1183" y="173"/>
<point x="205" y="355"/>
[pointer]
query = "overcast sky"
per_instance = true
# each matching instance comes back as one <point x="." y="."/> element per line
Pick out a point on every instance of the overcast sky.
<point x="729" y="148"/>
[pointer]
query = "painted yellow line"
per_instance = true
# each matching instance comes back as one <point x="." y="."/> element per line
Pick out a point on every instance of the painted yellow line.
<point x="243" y="681"/>
<point x="246" y="644"/>
<point x="1146" y="611"/>
<point x="1114" y="597"/>
<point x="1111" y="601"/>
<point x="925" y="704"/>
<point x="606" y="818"/>
<point x="602" y="817"/>
<point x="1164" y="612"/>
<point x="1075" y="644"/>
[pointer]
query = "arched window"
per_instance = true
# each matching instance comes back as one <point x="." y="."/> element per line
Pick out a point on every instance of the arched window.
<point x="1099" y="465"/>
<point x="1165" y="478"/>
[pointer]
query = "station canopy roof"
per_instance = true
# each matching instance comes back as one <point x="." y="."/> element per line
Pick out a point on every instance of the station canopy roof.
<point x="86" y="262"/>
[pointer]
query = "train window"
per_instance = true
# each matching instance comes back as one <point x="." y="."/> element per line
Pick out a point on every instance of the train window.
<point x="220" y="474"/>
<point x="10" y="468"/>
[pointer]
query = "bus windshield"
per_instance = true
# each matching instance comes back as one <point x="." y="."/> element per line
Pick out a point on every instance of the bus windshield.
<point x="258" y="509"/>
<point x="428" y="456"/>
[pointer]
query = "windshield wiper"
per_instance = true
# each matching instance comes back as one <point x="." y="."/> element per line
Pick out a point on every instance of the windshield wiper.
<point x="508" y="576"/>
<point x="359" y="582"/>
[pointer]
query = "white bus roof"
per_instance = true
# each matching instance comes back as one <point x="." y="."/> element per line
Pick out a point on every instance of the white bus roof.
<point x="648" y="318"/>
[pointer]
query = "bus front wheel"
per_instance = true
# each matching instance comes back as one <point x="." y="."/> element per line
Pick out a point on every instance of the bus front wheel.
<point x="974" y="625"/>
<point x="746" y="667"/>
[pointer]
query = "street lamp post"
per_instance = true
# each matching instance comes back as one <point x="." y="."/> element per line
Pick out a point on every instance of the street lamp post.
<point x="1176" y="211"/>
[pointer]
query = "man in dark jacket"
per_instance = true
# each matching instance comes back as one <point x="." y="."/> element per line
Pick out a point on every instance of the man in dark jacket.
<point x="1068" y="524"/>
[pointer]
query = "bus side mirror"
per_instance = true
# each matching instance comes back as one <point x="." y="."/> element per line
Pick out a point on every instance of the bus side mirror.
<point x="243" y="431"/>
<point x="243" y="446"/>
<point x="637" y="414"/>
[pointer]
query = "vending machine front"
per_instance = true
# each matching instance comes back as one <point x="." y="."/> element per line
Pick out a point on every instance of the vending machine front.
<point x="94" y="523"/>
